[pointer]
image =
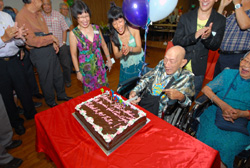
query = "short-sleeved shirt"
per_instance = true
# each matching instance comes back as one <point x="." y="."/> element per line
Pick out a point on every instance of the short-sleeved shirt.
<point x="56" y="24"/>
<point x="234" y="38"/>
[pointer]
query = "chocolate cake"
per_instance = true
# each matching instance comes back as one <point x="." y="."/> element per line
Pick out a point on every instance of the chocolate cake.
<point x="110" y="118"/>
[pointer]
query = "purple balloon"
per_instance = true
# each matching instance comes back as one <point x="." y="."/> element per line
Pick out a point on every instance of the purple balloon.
<point x="136" y="11"/>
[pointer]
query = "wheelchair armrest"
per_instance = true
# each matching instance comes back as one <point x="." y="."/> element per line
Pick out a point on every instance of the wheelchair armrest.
<point x="242" y="159"/>
<point x="201" y="104"/>
<point x="202" y="100"/>
<point x="128" y="82"/>
<point x="193" y="115"/>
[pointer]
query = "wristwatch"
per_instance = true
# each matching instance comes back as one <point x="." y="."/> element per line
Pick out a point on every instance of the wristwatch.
<point x="237" y="6"/>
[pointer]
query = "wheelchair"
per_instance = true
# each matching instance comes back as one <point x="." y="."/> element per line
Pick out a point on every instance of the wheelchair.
<point x="173" y="113"/>
<point x="126" y="86"/>
<point x="242" y="160"/>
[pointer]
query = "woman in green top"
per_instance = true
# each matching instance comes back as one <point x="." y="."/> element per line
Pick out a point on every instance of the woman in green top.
<point x="126" y="43"/>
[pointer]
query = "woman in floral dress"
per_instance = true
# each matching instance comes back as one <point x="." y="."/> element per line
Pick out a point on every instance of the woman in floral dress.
<point x="88" y="39"/>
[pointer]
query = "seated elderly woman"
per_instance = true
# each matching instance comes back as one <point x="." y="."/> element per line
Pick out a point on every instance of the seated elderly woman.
<point x="225" y="125"/>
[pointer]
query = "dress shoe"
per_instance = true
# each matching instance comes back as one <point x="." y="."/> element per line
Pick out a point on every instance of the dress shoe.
<point x="14" y="144"/>
<point x="38" y="95"/>
<point x="20" y="130"/>
<point x="68" y="85"/>
<point x="64" y="98"/>
<point x="14" y="163"/>
<point x="37" y="104"/>
<point x="52" y="105"/>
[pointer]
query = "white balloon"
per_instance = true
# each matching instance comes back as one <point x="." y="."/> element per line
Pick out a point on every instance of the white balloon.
<point x="159" y="9"/>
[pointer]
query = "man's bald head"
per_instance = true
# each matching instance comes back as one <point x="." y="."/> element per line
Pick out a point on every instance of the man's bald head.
<point x="174" y="59"/>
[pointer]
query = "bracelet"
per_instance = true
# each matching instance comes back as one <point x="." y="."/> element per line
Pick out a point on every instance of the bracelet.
<point x="131" y="49"/>
<point x="107" y="56"/>
<point x="77" y="71"/>
<point x="212" y="98"/>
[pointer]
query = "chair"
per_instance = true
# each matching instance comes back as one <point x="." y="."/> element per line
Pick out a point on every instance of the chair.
<point x="125" y="87"/>
<point x="173" y="113"/>
<point x="242" y="160"/>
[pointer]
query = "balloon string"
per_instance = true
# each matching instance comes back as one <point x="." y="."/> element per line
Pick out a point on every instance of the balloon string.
<point x="145" y="47"/>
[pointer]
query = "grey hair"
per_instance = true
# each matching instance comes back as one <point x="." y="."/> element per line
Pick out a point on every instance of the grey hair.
<point x="62" y="4"/>
<point x="246" y="54"/>
<point x="27" y="1"/>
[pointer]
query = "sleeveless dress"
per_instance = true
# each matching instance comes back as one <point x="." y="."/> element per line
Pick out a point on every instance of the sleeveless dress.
<point x="228" y="143"/>
<point x="91" y="63"/>
<point x="131" y="64"/>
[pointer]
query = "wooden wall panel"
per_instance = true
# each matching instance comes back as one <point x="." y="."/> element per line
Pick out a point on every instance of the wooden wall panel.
<point x="99" y="9"/>
<point x="185" y="4"/>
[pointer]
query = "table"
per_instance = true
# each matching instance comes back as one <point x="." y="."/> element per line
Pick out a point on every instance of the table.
<point x="162" y="31"/>
<point x="157" y="144"/>
<point x="165" y="25"/>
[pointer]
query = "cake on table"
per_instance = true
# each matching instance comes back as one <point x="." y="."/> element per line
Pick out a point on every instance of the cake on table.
<point x="110" y="118"/>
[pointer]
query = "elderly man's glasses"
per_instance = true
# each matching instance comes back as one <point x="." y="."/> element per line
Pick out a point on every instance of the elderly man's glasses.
<point x="243" y="60"/>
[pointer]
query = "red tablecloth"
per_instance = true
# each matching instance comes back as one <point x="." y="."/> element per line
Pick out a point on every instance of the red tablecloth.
<point x="157" y="144"/>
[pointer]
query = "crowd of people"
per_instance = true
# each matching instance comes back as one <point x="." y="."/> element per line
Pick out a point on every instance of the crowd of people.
<point x="38" y="36"/>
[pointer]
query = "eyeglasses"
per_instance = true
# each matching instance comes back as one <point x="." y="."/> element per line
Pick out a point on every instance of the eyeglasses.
<point x="245" y="61"/>
<point x="64" y="8"/>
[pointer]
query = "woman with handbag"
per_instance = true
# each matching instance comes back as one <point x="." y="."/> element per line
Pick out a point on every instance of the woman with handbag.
<point x="225" y="125"/>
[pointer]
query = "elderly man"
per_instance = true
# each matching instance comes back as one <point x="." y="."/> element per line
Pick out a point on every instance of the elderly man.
<point x="199" y="31"/>
<point x="64" y="10"/>
<point x="12" y="75"/>
<point x="235" y="43"/>
<point x="169" y="72"/>
<point x="43" y="47"/>
<point x="57" y="25"/>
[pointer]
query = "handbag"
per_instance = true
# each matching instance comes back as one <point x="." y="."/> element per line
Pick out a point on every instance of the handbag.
<point x="151" y="103"/>
<point x="239" y="125"/>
